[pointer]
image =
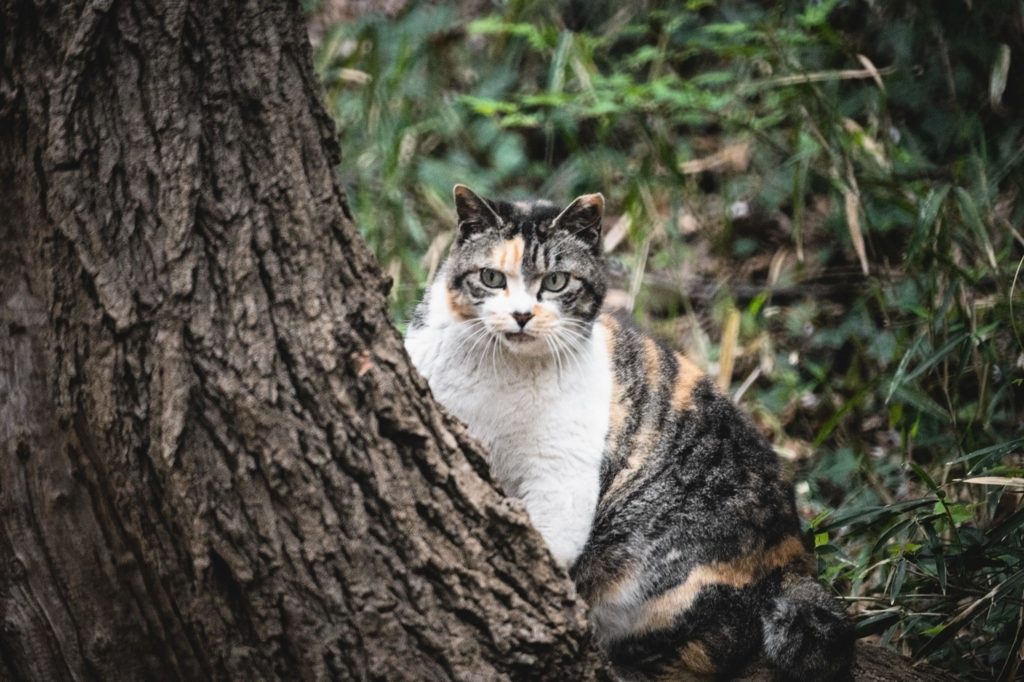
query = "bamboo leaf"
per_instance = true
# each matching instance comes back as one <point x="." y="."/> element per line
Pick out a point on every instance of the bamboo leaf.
<point x="1017" y="483"/>
<point x="971" y="215"/>
<point x="1000" y="70"/>
<point x="952" y="626"/>
<point x="928" y="212"/>
<point x="852" y="206"/>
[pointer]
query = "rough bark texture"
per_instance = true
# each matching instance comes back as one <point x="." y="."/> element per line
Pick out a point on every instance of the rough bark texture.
<point x="215" y="459"/>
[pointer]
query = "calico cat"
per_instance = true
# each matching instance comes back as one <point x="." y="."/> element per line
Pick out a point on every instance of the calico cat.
<point x="657" y="494"/>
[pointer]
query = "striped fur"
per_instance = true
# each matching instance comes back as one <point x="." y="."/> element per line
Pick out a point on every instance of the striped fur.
<point x="666" y="504"/>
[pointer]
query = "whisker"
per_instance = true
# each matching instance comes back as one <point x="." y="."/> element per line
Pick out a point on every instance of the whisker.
<point x="577" y="324"/>
<point x="553" y="349"/>
<point x="472" y="340"/>
<point x="575" y="350"/>
<point x="572" y="356"/>
<point x="576" y="336"/>
<point x="494" y="355"/>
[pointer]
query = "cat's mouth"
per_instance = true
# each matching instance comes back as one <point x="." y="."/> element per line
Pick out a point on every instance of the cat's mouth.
<point x="519" y="337"/>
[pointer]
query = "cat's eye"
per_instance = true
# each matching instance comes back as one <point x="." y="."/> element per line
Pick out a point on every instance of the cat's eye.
<point x="554" y="281"/>
<point x="492" y="278"/>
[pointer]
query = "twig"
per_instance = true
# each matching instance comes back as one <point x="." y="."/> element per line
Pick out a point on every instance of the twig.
<point x="747" y="383"/>
<point x="819" y="76"/>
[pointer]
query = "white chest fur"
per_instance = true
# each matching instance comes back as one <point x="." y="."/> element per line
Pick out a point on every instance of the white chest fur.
<point x="545" y="424"/>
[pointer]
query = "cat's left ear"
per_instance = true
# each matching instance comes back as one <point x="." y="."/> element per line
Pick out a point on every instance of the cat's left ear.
<point x="582" y="218"/>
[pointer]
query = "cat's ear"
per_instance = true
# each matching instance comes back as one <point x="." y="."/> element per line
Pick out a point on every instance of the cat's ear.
<point x="582" y="218"/>
<point x="475" y="214"/>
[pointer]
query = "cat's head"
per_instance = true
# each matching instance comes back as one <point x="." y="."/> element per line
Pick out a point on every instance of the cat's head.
<point x="528" y="274"/>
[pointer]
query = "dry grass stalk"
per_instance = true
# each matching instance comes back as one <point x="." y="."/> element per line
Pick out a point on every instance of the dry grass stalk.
<point x="727" y="356"/>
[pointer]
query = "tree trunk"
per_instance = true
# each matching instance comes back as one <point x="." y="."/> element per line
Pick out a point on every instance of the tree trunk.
<point x="215" y="458"/>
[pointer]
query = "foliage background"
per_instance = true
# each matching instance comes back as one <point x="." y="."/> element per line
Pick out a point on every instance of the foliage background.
<point x="818" y="201"/>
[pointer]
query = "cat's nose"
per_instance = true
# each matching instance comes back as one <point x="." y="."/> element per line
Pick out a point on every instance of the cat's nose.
<point x="522" y="318"/>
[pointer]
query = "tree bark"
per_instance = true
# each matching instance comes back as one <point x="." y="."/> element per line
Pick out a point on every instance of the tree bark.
<point x="216" y="461"/>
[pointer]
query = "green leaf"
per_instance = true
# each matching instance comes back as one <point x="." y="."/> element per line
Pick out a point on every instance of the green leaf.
<point x="816" y="13"/>
<point x="488" y="107"/>
<point x="940" y="571"/>
<point x="730" y="29"/>
<point x="538" y="39"/>
<point x="890" y="532"/>
<point x="984" y="455"/>
<point x="923" y="475"/>
<point x="901" y="369"/>
<point x="969" y="613"/>
<point x="934" y="359"/>
<point x="923" y="402"/>
<point x="971" y="215"/>
<point x="900" y="575"/>
<point x="1007" y="528"/>
<point x="870" y="515"/>
<point x="927" y="214"/>
<point x="960" y="513"/>
<point x="556" y="74"/>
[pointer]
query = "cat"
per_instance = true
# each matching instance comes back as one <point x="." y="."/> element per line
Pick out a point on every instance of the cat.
<point x="660" y="498"/>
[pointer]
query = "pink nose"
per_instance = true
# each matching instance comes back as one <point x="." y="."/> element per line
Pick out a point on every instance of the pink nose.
<point x="522" y="318"/>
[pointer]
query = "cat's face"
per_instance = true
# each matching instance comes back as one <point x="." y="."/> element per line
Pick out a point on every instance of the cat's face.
<point x="527" y="276"/>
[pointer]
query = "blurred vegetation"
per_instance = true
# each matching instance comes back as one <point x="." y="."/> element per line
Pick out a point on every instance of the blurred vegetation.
<point x="819" y="201"/>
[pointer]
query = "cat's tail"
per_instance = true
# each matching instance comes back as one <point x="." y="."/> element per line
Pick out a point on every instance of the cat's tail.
<point x="807" y="635"/>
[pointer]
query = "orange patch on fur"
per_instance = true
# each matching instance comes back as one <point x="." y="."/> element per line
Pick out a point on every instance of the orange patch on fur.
<point x="695" y="657"/>
<point x="617" y="410"/>
<point x="652" y="363"/>
<point x="693" y="665"/>
<point x="508" y="256"/>
<point x="613" y="590"/>
<point x="687" y="376"/>
<point x="659" y="613"/>
<point x="542" y="315"/>
<point x="641" y="447"/>
<point x="637" y="458"/>
<point x="459" y="308"/>
<point x="686" y="380"/>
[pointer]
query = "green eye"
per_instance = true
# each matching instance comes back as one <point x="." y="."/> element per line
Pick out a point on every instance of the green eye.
<point x="492" y="278"/>
<point x="554" y="281"/>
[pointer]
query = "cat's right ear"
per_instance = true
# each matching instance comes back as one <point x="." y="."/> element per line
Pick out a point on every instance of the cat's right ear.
<point x="475" y="214"/>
